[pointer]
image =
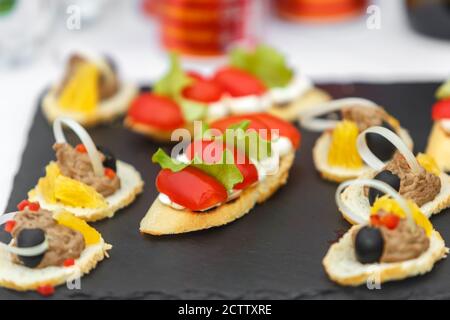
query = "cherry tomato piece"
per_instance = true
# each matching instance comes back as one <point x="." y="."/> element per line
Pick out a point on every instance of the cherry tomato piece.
<point x="238" y="82"/>
<point x="191" y="188"/>
<point x="156" y="111"/>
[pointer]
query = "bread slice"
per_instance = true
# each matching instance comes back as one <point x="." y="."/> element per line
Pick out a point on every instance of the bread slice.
<point x="153" y="133"/>
<point x="21" y="278"/>
<point x="291" y="111"/>
<point x="107" y="111"/>
<point x="341" y="265"/>
<point x="162" y="219"/>
<point x="439" y="146"/>
<point x="131" y="186"/>
<point x="339" y="174"/>
<point x="355" y="199"/>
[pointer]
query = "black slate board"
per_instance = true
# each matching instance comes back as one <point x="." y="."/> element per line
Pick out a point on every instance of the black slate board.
<point x="275" y="252"/>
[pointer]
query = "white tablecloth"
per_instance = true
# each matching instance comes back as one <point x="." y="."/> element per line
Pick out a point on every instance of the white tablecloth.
<point x="340" y="52"/>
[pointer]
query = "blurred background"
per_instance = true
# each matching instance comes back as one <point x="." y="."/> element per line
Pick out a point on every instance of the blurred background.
<point x="329" y="40"/>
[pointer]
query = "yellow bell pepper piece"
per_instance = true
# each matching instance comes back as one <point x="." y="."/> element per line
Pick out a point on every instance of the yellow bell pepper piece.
<point x="91" y="236"/>
<point x="77" y="194"/>
<point x="343" y="151"/>
<point x="81" y="92"/>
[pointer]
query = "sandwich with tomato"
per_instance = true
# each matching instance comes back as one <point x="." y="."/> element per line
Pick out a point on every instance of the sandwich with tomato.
<point x="251" y="82"/>
<point x="439" y="139"/>
<point x="238" y="162"/>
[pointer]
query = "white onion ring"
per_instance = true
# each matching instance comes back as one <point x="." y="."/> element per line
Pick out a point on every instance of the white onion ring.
<point x="381" y="186"/>
<point x="309" y="121"/>
<point x="26" y="252"/>
<point x="85" y="138"/>
<point x="375" y="163"/>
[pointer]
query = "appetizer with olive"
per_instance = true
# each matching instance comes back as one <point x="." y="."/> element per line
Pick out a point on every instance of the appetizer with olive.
<point x="86" y="180"/>
<point x="335" y="153"/>
<point x="396" y="242"/>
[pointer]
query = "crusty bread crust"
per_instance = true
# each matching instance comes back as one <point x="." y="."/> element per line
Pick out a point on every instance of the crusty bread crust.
<point x="17" y="277"/>
<point x="354" y="197"/>
<point x="155" y="134"/>
<point x="107" y="111"/>
<point x="320" y="157"/>
<point x="162" y="220"/>
<point x="291" y="111"/>
<point x="439" y="146"/>
<point x="131" y="186"/>
<point x="341" y="265"/>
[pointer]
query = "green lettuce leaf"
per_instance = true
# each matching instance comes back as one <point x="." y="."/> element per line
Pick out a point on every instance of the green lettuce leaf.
<point x="172" y="84"/>
<point x="226" y="172"/>
<point x="443" y="92"/>
<point x="264" y="62"/>
<point x="250" y="142"/>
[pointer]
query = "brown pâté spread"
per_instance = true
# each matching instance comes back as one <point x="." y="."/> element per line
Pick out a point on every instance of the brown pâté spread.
<point x="404" y="242"/>
<point x="419" y="187"/>
<point x="365" y="117"/>
<point x="64" y="243"/>
<point x="108" y="84"/>
<point x="77" y="165"/>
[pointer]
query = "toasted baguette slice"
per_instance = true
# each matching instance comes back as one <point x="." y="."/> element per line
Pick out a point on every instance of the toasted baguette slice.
<point x="354" y="197"/>
<point x="131" y="186"/>
<point x="439" y="147"/>
<point x="341" y="265"/>
<point x="153" y="133"/>
<point x="337" y="174"/>
<point x="21" y="278"/>
<point x="292" y="110"/>
<point x="162" y="219"/>
<point x="107" y="110"/>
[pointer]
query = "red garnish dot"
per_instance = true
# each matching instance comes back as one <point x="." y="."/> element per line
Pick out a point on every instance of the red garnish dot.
<point x="110" y="173"/>
<point x="34" y="206"/>
<point x="9" y="226"/>
<point x="390" y="221"/>
<point x="375" y="220"/>
<point x="81" y="148"/>
<point x="46" y="290"/>
<point x="22" y="205"/>
<point x="69" y="262"/>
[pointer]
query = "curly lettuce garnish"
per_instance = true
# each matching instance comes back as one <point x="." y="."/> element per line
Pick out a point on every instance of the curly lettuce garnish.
<point x="172" y="84"/>
<point x="265" y="63"/>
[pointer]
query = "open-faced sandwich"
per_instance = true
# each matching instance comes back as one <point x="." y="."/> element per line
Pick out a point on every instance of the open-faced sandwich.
<point x="47" y="249"/>
<point x="396" y="242"/>
<point x="335" y="154"/>
<point x="439" y="139"/>
<point x="85" y="180"/>
<point x="418" y="179"/>
<point x="252" y="82"/>
<point x="240" y="161"/>
<point x="89" y="92"/>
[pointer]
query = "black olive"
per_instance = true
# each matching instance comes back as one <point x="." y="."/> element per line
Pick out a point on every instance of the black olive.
<point x="386" y="176"/>
<point x="30" y="238"/>
<point x="110" y="159"/>
<point x="369" y="245"/>
<point x="380" y="147"/>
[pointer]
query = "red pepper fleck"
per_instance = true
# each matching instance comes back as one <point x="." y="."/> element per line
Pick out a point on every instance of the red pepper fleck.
<point x="46" y="290"/>
<point x="81" y="148"/>
<point x="110" y="173"/>
<point x="375" y="220"/>
<point x="69" y="262"/>
<point x="9" y="226"/>
<point x="390" y="221"/>
<point x="34" y="206"/>
<point x="22" y="205"/>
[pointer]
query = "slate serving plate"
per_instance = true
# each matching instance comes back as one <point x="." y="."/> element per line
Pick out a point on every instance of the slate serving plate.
<point x="275" y="252"/>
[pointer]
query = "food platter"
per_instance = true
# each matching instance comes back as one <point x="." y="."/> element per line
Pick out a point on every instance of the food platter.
<point x="275" y="252"/>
